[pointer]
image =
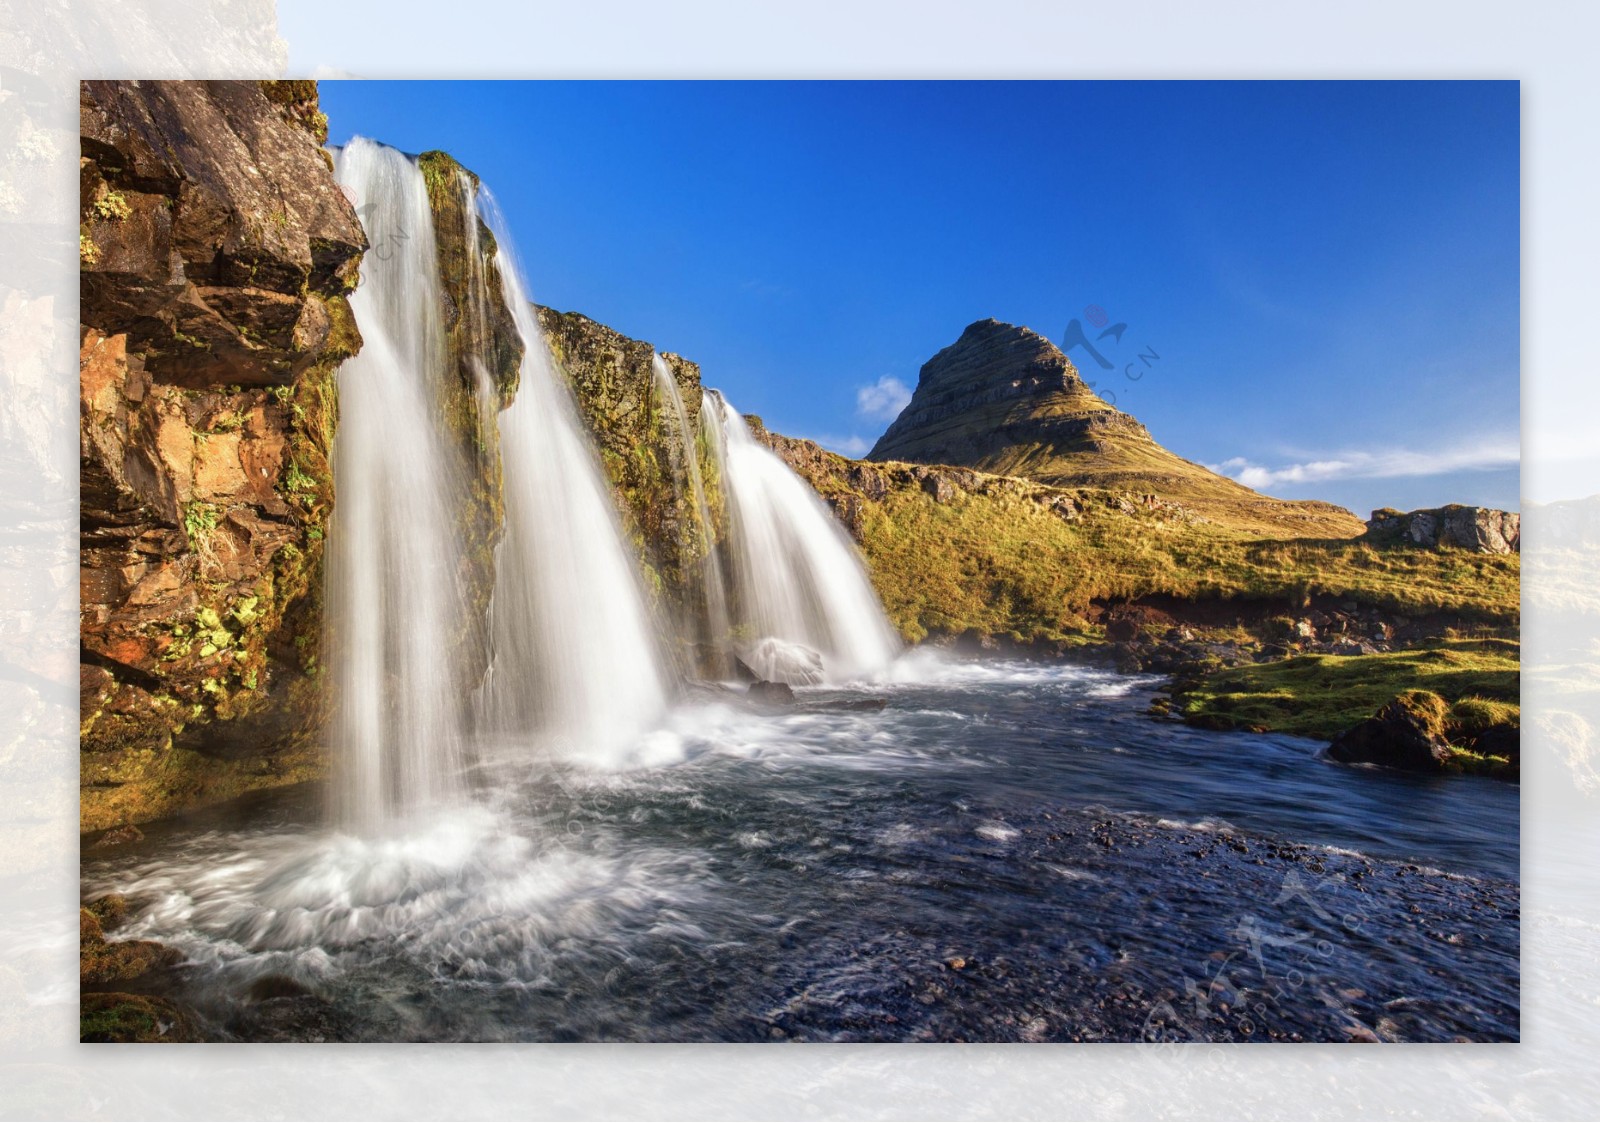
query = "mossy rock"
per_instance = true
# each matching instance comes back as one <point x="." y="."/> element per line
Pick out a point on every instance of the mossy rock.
<point x="111" y="1017"/>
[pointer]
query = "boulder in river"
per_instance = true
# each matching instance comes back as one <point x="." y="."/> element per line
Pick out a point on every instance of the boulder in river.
<point x="772" y="693"/>
<point x="1408" y="733"/>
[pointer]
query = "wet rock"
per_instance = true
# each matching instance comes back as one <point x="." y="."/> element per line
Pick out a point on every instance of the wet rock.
<point x="102" y="961"/>
<point x="771" y="693"/>
<point x="132" y="1017"/>
<point x="1406" y="733"/>
<point x="270" y="987"/>
<point x="120" y="836"/>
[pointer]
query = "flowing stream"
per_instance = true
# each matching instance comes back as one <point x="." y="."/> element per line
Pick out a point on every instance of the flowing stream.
<point x="577" y="670"/>
<point x="813" y="872"/>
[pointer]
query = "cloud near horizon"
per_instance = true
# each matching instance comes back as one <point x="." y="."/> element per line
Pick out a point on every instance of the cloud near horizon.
<point x="852" y="446"/>
<point x="1480" y="455"/>
<point x="884" y="399"/>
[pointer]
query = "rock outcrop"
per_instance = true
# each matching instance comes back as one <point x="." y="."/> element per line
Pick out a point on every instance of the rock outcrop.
<point x="215" y="252"/>
<point x="1005" y="400"/>
<point x="1481" y="530"/>
<point x="483" y="370"/>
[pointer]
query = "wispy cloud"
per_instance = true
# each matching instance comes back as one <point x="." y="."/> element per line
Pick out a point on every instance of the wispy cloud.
<point x="1471" y="455"/>
<point x="883" y="400"/>
<point x="852" y="446"/>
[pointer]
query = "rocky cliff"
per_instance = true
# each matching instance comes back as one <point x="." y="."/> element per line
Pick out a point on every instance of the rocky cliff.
<point x="1005" y="400"/>
<point x="215" y="254"/>
<point x="640" y="445"/>
<point x="483" y="369"/>
<point x="216" y="251"/>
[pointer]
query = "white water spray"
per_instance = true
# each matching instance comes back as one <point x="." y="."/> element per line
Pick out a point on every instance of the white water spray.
<point x="803" y="603"/>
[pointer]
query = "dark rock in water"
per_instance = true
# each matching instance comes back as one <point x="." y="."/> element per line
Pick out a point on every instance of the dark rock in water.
<point x="1482" y="530"/>
<point x="118" y="837"/>
<point x="1406" y="733"/>
<point x="742" y="672"/>
<point x="276" y="986"/>
<point x="772" y="693"/>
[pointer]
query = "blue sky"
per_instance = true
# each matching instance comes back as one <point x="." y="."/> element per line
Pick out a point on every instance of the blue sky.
<point x="1328" y="271"/>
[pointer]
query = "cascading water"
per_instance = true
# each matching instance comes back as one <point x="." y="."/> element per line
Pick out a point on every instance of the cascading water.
<point x="576" y="669"/>
<point x="395" y="602"/>
<point x="713" y="588"/>
<point x="804" y="607"/>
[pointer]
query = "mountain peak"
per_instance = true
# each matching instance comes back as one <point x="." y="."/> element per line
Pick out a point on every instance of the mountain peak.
<point x="996" y="385"/>
<point x="1004" y="399"/>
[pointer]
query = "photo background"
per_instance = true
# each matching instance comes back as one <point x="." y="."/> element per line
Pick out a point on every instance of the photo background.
<point x="45" y="1073"/>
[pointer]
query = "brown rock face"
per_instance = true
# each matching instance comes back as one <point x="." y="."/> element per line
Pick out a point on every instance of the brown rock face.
<point x="212" y="234"/>
<point x="1004" y="399"/>
<point x="216" y="251"/>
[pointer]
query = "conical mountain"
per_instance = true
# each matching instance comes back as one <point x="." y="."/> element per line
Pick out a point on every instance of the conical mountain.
<point x="1004" y="399"/>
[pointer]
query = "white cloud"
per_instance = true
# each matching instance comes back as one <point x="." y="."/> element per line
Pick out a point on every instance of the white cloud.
<point x="852" y="446"/>
<point x="1472" y="455"/>
<point x="884" y="399"/>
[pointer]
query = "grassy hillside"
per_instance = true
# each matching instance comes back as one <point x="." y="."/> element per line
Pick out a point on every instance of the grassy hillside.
<point x="953" y="550"/>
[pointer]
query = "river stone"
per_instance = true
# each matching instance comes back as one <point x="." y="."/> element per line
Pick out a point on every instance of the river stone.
<point x="1405" y="733"/>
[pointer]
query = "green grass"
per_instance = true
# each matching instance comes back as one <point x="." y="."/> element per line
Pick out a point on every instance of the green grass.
<point x="1320" y="696"/>
<point x="1002" y="562"/>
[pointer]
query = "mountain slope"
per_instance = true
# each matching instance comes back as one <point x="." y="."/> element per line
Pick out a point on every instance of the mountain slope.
<point x="1004" y="399"/>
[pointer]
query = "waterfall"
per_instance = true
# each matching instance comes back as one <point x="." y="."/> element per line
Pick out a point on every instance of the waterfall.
<point x="804" y="608"/>
<point x="576" y="670"/>
<point x="714" y="599"/>
<point x="395" y="601"/>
